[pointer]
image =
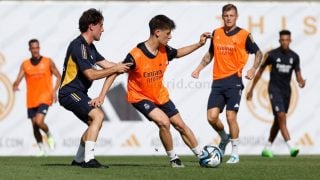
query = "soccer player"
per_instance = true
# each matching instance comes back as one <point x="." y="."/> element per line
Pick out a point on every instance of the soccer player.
<point x="146" y="91"/>
<point x="283" y="61"/>
<point x="230" y="47"/>
<point x="38" y="71"/>
<point x="80" y="70"/>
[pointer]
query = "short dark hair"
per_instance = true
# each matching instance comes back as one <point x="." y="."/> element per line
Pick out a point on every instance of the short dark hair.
<point x="284" y="32"/>
<point x="90" y="16"/>
<point x="33" y="41"/>
<point x="161" y="22"/>
<point x="228" y="7"/>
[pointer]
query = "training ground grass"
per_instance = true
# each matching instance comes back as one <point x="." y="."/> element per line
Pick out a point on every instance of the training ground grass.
<point x="157" y="167"/>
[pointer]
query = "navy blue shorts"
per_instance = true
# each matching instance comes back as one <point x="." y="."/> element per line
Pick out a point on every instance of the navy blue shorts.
<point x="146" y="106"/>
<point x="279" y="101"/>
<point x="226" y="92"/>
<point x="78" y="103"/>
<point x="42" y="108"/>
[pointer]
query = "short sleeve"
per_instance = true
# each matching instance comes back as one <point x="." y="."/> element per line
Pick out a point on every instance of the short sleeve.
<point x="171" y="52"/>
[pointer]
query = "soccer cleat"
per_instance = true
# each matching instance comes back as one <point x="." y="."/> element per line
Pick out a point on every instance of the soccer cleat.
<point x="294" y="152"/>
<point x="267" y="153"/>
<point x="41" y="153"/>
<point x="75" y="163"/>
<point x="233" y="159"/>
<point x="223" y="144"/>
<point x="51" y="143"/>
<point x="93" y="163"/>
<point x="176" y="163"/>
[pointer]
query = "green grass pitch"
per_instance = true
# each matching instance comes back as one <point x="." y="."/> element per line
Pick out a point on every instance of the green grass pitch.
<point x="157" y="167"/>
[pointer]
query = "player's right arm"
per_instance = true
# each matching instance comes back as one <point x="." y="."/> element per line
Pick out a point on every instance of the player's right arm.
<point x="94" y="74"/>
<point x="257" y="77"/>
<point x="207" y="58"/>
<point x="20" y="76"/>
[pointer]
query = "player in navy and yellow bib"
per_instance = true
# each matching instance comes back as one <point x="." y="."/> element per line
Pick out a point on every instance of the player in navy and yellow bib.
<point x="230" y="47"/>
<point x="79" y="71"/>
<point x="146" y="91"/>
<point x="282" y="61"/>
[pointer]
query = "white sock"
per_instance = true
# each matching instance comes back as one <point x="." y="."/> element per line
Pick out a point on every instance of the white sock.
<point x="223" y="135"/>
<point x="49" y="134"/>
<point x="41" y="146"/>
<point x="172" y="155"/>
<point x="80" y="154"/>
<point x="89" y="150"/>
<point x="268" y="145"/>
<point x="289" y="144"/>
<point x="235" y="144"/>
<point x="196" y="151"/>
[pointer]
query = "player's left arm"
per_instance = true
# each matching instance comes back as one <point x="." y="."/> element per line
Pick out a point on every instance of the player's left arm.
<point x="299" y="78"/>
<point x="57" y="74"/>
<point x="253" y="48"/>
<point x="189" y="49"/>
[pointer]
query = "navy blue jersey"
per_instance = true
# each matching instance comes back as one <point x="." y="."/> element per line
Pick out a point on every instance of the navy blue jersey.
<point x="251" y="46"/>
<point x="282" y="64"/>
<point x="171" y="54"/>
<point x="80" y="56"/>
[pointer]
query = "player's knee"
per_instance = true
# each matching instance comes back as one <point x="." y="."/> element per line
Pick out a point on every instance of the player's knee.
<point x="164" y="124"/>
<point x="213" y="119"/>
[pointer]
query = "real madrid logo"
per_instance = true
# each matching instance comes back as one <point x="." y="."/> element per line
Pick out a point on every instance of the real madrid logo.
<point x="260" y="105"/>
<point x="7" y="95"/>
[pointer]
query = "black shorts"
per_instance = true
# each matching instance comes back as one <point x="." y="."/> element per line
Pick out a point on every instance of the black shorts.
<point x="279" y="101"/>
<point x="42" y="108"/>
<point x="78" y="103"/>
<point x="146" y="106"/>
<point x="226" y="92"/>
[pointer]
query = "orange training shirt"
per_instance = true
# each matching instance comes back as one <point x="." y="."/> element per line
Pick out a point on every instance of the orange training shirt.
<point x="230" y="54"/>
<point x="145" y="81"/>
<point x="39" y="82"/>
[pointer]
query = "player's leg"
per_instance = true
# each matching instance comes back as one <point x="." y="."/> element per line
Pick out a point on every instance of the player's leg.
<point x="77" y="102"/>
<point x="36" y="131"/>
<point x="153" y="113"/>
<point x="186" y="134"/>
<point x="267" y="152"/>
<point x="215" y="106"/>
<point x="40" y="122"/>
<point x="232" y="95"/>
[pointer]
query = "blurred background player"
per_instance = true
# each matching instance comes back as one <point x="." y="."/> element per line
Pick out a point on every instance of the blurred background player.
<point x="146" y="91"/>
<point x="230" y="47"/>
<point x="79" y="72"/>
<point x="38" y="71"/>
<point x="282" y="61"/>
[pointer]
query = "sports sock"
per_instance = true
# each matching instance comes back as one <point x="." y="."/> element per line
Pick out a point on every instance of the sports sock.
<point x="196" y="151"/>
<point x="80" y="154"/>
<point x="89" y="150"/>
<point x="268" y="145"/>
<point x="223" y="135"/>
<point x="172" y="155"/>
<point x="235" y="145"/>
<point x="49" y="134"/>
<point x="41" y="146"/>
<point x="289" y="144"/>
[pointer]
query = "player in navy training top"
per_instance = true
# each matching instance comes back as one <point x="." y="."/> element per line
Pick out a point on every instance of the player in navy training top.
<point x="283" y="62"/>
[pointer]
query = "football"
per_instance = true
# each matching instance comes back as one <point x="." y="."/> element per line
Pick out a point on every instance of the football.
<point x="211" y="156"/>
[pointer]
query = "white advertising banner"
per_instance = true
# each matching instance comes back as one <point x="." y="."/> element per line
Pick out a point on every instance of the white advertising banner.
<point x="127" y="132"/>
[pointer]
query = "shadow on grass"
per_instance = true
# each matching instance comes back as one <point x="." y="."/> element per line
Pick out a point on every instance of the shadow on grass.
<point x="113" y="165"/>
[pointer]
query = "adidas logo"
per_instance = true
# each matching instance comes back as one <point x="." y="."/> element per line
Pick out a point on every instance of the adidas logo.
<point x="305" y="140"/>
<point x="132" y="141"/>
<point x="236" y="105"/>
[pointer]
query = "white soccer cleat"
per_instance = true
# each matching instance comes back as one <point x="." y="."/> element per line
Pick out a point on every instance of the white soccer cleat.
<point x="51" y="143"/>
<point x="233" y="159"/>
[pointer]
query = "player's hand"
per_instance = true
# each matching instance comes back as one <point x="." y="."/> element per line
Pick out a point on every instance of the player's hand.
<point x="302" y="83"/>
<point x="250" y="73"/>
<point x="15" y="86"/>
<point x="96" y="102"/>
<point x="195" y="74"/>
<point x="249" y="95"/>
<point x="122" y="67"/>
<point x="204" y="37"/>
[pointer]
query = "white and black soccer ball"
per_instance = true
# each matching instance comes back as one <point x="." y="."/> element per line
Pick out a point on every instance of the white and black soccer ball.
<point x="211" y="156"/>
